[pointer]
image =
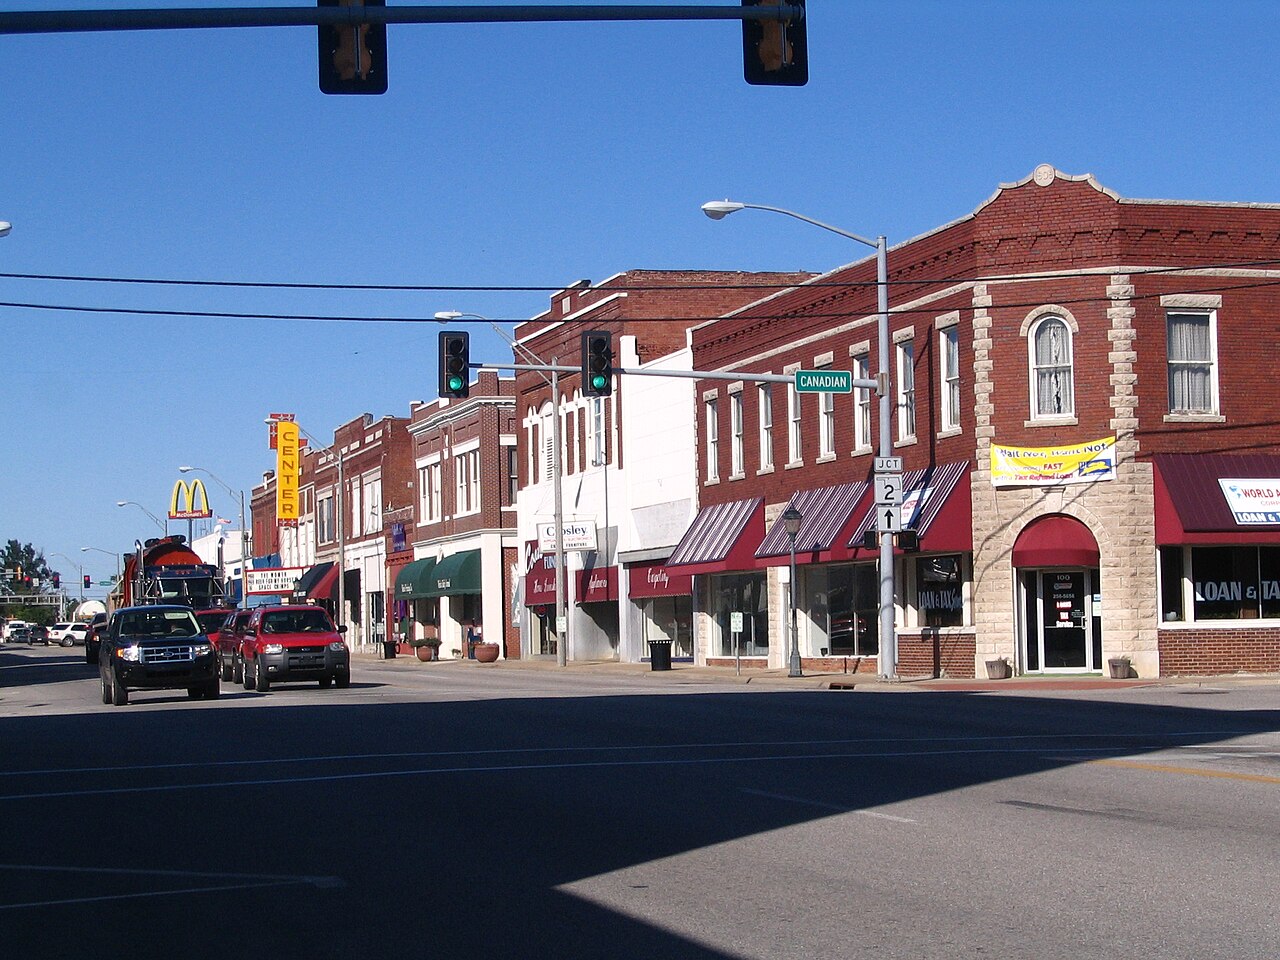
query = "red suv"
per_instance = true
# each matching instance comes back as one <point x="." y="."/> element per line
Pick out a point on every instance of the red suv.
<point x="211" y="624"/>
<point x="283" y="643"/>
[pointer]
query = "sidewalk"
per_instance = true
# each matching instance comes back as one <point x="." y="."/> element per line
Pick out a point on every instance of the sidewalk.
<point x="777" y="677"/>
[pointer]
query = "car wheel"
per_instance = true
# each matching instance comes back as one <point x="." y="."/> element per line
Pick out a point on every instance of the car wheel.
<point x="195" y="693"/>
<point x="106" y="691"/>
<point x="212" y="689"/>
<point x="237" y="670"/>
<point x="119" y="692"/>
<point x="66" y="642"/>
<point x="343" y="680"/>
<point x="261" y="683"/>
<point x="91" y="657"/>
<point x="226" y="671"/>
<point x="325" y="682"/>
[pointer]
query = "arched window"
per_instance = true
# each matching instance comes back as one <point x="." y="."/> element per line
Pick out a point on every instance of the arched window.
<point x="1052" y="388"/>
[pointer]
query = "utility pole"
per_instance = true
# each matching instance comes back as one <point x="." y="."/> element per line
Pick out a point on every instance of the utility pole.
<point x="562" y="639"/>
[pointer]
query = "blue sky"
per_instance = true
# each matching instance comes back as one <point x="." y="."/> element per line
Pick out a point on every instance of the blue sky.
<point x="513" y="156"/>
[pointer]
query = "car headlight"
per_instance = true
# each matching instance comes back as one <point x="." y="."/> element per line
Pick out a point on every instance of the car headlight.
<point x="273" y="648"/>
<point x="337" y="645"/>
<point x="202" y="649"/>
<point x="132" y="654"/>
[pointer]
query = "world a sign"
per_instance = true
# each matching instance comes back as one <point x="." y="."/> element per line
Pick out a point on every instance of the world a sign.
<point x="824" y="381"/>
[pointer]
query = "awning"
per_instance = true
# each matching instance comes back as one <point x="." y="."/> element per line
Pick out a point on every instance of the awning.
<point x="937" y="499"/>
<point x="655" y="580"/>
<point x="540" y="583"/>
<point x="310" y="577"/>
<point x="1055" y="541"/>
<point x="1216" y="498"/>
<point x="415" y="579"/>
<point x="722" y="537"/>
<point x="597" y="586"/>
<point x="456" y="574"/>
<point x="825" y="511"/>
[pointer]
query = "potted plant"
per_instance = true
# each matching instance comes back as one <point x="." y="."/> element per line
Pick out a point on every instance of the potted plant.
<point x="425" y="648"/>
<point x="1119" y="667"/>
<point x="486" y="652"/>
<point x="998" y="669"/>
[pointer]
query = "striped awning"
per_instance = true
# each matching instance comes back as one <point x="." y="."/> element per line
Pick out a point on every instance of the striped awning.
<point x="924" y="494"/>
<point x="722" y="537"/>
<point x="825" y="511"/>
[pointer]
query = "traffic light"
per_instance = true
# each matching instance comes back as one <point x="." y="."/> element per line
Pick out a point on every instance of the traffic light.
<point x="597" y="363"/>
<point x="353" y="57"/>
<point x="908" y="540"/>
<point x="57" y="581"/>
<point x="88" y="581"/>
<point x="455" y="364"/>
<point x="775" y="52"/>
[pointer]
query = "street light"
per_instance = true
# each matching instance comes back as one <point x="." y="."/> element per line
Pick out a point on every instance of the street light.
<point x="718" y="210"/>
<point x="109" y="553"/>
<point x="79" y="577"/>
<point x="244" y="534"/>
<point x="791" y="520"/>
<point x="135" y="503"/>
<point x="519" y="350"/>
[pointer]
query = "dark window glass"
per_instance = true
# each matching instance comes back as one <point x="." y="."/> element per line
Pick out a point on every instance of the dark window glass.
<point x="853" y="606"/>
<point x="746" y="593"/>
<point x="1226" y="582"/>
<point x="1171" y="584"/>
<point x="1269" y="580"/>
<point x="940" y="591"/>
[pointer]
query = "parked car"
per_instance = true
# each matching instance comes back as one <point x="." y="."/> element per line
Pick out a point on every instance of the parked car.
<point x="11" y="626"/>
<point x="156" y="647"/>
<point x="229" y="642"/>
<point x="67" y="634"/>
<point x="296" y="642"/>
<point x="93" y="637"/>
<point x="39" y="633"/>
<point x="20" y="634"/>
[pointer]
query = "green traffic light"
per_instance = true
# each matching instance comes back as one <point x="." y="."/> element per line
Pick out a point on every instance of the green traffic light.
<point x="598" y="382"/>
<point x="455" y="383"/>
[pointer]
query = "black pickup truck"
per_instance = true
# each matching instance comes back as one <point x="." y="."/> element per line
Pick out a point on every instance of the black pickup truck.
<point x="156" y="647"/>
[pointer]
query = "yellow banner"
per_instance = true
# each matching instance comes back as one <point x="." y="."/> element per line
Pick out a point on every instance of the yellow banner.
<point x="287" y="474"/>
<point x="1042" y="466"/>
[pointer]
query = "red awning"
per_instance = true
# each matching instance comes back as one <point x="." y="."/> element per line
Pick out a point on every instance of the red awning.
<point x="540" y="583"/>
<point x="1055" y="541"/>
<point x="936" y="504"/>
<point x="824" y="513"/>
<point x="1191" y="507"/>
<point x="326" y="588"/>
<point x="655" y="580"/>
<point x="722" y="537"/>
<point x="599" y="585"/>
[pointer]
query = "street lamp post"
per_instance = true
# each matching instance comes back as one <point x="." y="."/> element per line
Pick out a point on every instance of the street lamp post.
<point x="718" y="210"/>
<point x="791" y="519"/>
<point x="79" y="580"/>
<point x="109" y="553"/>
<point x="557" y="495"/>
<point x="159" y="523"/>
<point x="244" y="534"/>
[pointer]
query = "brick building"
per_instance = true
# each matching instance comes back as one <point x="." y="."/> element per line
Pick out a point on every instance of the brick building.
<point x="626" y="460"/>
<point x="453" y="568"/>
<point x="1091" y="457"/>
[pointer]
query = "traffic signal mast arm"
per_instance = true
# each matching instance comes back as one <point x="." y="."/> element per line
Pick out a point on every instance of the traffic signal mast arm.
<point x="860" y="384"/>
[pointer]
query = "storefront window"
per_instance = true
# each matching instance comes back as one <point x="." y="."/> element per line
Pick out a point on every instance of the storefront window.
<point x="1235" y="583"/>
<point x="670" y="618"/>
<point x="1171" y="584"/>
<point x="745" y="594"/>
<point x="940" y="591"/>
<point x="853" y="609"/>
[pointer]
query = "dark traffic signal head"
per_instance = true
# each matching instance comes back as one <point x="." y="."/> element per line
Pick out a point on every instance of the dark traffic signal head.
<point x="775" y="52"/>
<point x="455" y="364"/>
<point x="353" y="57"/>
<point x="57" y="581"/>
<point x="597" y="363"/>
<point x="88" y="581"/>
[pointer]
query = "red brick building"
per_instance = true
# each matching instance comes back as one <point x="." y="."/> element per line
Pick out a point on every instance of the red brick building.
<point x="453" y="569"/>
<point x="1091" y="457"/>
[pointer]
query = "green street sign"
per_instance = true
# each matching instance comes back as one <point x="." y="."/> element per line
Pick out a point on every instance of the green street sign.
<point x="105" y="583"/>
<point x="824" y="381"/>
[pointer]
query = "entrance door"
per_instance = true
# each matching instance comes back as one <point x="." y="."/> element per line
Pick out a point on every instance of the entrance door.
<point x="1063" y="621"/>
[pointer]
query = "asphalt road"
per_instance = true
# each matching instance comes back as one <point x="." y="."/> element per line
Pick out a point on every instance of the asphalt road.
<point x="465" y="811"/>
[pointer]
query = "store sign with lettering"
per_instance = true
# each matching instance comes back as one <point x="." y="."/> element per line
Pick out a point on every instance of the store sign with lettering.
<point x="1252" y="501"/>
<point x="1044" y="466"/>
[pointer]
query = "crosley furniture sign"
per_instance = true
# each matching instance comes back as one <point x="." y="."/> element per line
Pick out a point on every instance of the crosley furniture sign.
<point x="1073" y="463"/>
<point x="577" y="536"/>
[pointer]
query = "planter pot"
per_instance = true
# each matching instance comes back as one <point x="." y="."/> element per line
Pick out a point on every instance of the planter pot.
<point x="998" y="669"/>
<point x="486" y="652"/>
<point x="425" y="653"/>
<point x="1119" y="667"/>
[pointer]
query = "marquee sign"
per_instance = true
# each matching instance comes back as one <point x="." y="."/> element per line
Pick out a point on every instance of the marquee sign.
<point x="272" y="580"/>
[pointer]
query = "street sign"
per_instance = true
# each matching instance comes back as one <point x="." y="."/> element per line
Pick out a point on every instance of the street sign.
<point x="888" y="465"/>
<point x="888" y="489"/>
<point x="105" y="583"/>
<point x="824" y="381"/>
<point x="888" y="518"/>
<point x="735" y="621"/>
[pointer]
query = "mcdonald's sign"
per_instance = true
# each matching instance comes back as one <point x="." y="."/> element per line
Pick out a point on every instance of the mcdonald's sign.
<point x="189" y="502"/>
<point x="287" y="464"/>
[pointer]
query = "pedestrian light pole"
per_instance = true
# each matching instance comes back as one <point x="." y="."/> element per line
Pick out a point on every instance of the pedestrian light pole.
<point x="244" y="534"/>
<point x="718" y="210"/>
<point x="791" y="520"/>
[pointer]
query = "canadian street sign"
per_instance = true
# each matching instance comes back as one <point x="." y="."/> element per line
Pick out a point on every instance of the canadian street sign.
<point x="888" y="518"/>
<point x="824" y="381"/>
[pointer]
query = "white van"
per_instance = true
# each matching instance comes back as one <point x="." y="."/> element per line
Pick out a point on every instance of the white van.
<point x="13" y="625"/>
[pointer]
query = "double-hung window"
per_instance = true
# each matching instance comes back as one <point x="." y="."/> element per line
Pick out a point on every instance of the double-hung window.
<point x="765" y="397"/>
<point x="1193" y="374"/>
<point x="735" y="427"/>
<point x="826" y="424"/>
<point x="794" y="452"/>
<point x="906" y="391"/>
<point x="862" y="404"/>
<point x="1052" y="389"/>
<point x="713" y="441"/>
<point x="949" y="354"/>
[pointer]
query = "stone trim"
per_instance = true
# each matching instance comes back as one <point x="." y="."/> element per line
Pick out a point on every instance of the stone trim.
<point x="1194" y="301"/>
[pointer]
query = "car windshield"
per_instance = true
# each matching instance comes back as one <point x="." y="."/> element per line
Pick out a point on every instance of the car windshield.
<point x="159" y="623"/>
<point x="296" y="621"/>
<point x="210" y="622"/>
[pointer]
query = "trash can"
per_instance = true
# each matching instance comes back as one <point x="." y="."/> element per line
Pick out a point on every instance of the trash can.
<point x="660" y="654"/>
<point x="388" y="649"/>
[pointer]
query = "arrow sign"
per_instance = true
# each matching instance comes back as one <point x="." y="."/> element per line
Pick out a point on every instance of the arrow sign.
<point x="888" y="518"/>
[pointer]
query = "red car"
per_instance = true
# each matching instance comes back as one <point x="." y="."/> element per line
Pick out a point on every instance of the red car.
<point x="296" y="642"/>
<point x="211" y="622"/>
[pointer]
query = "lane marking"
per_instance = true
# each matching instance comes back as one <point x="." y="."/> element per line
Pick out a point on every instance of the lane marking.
<point x="1188" y="771"/>
<point x="142" y="872"/>
<point x="822" y="805"/>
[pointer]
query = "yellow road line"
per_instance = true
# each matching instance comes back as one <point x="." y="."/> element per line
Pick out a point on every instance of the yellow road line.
<point x="1190" y="771"/>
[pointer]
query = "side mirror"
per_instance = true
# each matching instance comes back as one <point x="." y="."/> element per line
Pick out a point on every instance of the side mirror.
<point x="342" y="628"/>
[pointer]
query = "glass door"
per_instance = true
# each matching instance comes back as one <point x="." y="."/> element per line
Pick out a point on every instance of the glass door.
<point x="1065" y="621"/>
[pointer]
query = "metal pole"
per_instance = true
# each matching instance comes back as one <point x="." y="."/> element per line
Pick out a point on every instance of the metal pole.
<point x="339" y="506"/>
<point x="244" y="558"/>
<point x="888" y="641"/>
<point x="793" y="669"/>
<point x="562" y="638"/>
